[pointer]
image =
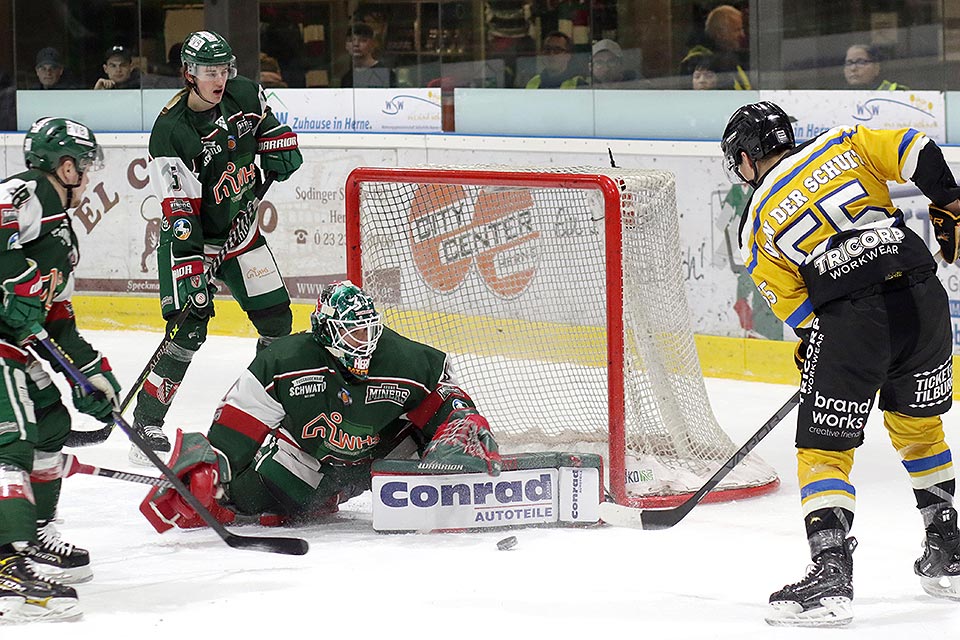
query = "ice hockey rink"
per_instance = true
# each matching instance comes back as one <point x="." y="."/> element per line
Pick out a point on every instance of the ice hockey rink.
<point x="708" y="577"/>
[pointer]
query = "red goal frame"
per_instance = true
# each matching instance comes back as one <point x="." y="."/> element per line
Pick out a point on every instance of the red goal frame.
<point x="611" y="192"/>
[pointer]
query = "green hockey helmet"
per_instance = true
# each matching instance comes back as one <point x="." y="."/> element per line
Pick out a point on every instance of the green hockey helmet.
<point x="50" y="140"/>
<point x="207" y="49"/>
<point x="347" y="324"/>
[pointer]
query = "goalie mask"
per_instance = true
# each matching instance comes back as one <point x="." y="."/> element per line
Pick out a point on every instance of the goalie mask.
<point x="207" y="49"/>
<point x="758" y="130"/>
<point x="347" y="324"/>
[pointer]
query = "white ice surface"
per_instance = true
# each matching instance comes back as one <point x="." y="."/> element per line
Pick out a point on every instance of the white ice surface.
<point x="708" y="577"/>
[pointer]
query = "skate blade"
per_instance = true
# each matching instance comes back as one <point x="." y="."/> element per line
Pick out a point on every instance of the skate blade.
<point x="832" y="612"/>
<point x="943" y="587"/>
<point x="72" y="575"/>
<point x="140" y="459"/>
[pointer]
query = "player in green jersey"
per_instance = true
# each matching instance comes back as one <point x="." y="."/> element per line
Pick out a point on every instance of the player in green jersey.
<point x="298" y="431"/>
<point x="38" y="255"/>
<point x="203" y="149"/>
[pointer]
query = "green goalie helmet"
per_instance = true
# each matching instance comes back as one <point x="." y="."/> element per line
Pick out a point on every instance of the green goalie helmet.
<point x="207" y="49"/>
<point x="347" y="324"/>
<point x="50" y="140"/>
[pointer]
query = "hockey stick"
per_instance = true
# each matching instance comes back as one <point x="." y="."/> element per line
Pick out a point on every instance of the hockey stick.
<point x="624" y="516"/>
<point x="238" y="231"/>
<point x="72" y="466"/>
<point x="288" y="546"/>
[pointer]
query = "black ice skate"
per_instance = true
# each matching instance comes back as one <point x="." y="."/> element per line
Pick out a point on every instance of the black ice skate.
<point x="824" y="598"/>
<point x="26" y="597"/>
<point x="54" y="559"/>
<point x="155" y="438"/>
<point x="939" y="566"/>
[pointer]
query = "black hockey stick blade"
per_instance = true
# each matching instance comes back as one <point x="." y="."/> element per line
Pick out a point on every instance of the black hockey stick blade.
<point x="289" y="546"/>
<point x="286" y="546"/>
<point x="624" y="516"/>
<point x="88" y="438"/>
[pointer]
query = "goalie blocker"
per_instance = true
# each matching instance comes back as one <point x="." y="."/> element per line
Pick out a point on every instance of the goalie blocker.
<point x="532" y="489"/>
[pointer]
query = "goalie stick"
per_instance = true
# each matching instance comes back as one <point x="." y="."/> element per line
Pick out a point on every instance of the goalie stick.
<point x="288" y="546"/>
<point x="238" y="231"/>
<point x="623" y="516"/>
<point x="72" y="466"/>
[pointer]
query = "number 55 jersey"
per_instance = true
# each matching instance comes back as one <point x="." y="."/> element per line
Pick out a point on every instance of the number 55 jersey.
<point x="822" y="226"/>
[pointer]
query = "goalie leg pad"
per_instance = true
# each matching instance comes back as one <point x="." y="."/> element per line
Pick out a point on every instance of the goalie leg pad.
<point x="534" y="488"/>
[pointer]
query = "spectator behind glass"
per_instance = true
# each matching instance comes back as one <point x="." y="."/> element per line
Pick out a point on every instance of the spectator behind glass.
<point x="49" y="68"/>
<point x="119" y="69"/>
<point x="861" y="70"/>
<point x="270" y="75"/>
<point x="724" y="36"/>
<point x="557" y="72"/>
<point x="607" y="67"/>
<point x="366" y="70"/>
<point x="709" y="71"/>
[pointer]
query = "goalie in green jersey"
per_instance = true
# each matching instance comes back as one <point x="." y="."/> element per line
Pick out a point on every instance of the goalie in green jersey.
<point x="299" y="430"/>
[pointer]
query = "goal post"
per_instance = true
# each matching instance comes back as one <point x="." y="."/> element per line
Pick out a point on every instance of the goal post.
<point x="559" y="296"/>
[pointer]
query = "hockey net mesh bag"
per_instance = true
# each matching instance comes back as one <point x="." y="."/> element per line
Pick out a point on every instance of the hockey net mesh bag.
<point x="559" y="297"/>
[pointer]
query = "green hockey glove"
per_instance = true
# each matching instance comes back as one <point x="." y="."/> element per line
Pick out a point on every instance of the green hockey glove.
<point x="22" y="298"/>
<point x="945" y="230"/>
<point x="464" y="444"/>
<point x="279" y="152"/>
<point x="192" y="285"/>
<point x="105" y="399"/>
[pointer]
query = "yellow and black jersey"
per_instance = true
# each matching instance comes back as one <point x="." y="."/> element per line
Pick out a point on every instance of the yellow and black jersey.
<point x="821" y="223"/>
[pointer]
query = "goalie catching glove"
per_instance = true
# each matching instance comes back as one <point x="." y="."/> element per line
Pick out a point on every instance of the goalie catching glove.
<point x="463" y="444"/>
<point x="945" y="230"/>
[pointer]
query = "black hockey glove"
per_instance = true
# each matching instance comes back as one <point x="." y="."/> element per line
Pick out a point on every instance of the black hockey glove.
<point x="945" y="230"/>
<point x="800" y="353"/>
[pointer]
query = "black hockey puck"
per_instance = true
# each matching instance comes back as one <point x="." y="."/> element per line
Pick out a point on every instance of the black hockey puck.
<point x="507" y="543"/>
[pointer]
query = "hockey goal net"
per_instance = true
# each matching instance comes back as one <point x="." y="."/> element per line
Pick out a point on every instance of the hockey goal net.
<point x="558" y="294"/>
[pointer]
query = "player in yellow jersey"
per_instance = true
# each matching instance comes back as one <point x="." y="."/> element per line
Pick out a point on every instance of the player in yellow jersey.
<point x="830" y="252"/>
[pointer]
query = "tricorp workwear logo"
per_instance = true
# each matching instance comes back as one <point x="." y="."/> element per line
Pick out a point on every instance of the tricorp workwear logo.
<point x="452" y="228"/>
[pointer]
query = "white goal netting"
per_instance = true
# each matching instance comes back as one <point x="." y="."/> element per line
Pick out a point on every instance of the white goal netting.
<point x="559" y="295"/>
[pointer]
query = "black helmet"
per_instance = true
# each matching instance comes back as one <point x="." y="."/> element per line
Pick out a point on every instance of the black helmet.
<point x="758" y="130"/>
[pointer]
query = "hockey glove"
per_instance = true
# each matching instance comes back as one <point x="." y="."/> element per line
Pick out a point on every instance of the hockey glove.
<point x="800" y="353"/>
<point x="105" y="399"/>
<point x="945" y="230"/>
<point x="22" y="298"/>
<point x="464" y="444"/>
<point x="279" y="153"/>
<point x="204" y="470"/>
<point x="192" y="285"/>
